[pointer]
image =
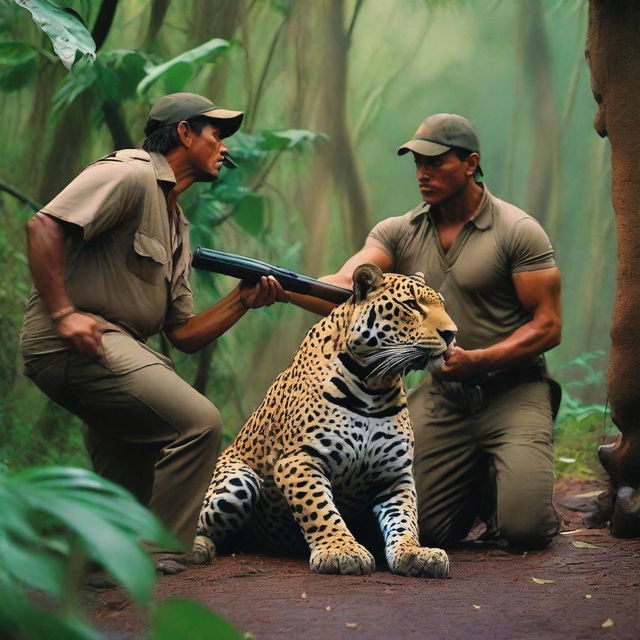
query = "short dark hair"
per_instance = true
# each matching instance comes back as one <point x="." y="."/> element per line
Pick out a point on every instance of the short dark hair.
<point x="166" y="138"/>
<point x="463" y="154"/>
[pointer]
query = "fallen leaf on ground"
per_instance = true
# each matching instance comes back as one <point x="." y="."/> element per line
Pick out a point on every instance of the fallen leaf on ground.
<point x="542" y="580"/>
<point x="475" y="606"/>
<point x="581" y="544"/>
<point x="589" y="494"/>
<point x="607" y="623"/>
<point x="351" y="625"/>
<point x="568" y="533"/>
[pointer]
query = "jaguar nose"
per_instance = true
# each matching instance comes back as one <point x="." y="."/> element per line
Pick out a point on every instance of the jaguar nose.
<point x="447" y="336"/>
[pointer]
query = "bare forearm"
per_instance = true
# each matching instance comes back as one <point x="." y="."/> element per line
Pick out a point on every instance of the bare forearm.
<point x="316" y="305"/>
<point x="208" y="325"/>
<point x="528" y="341"/>
<point x="45" y="249"/>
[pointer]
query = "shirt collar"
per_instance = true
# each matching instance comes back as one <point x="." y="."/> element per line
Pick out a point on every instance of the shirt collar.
<point x="481" y="219"/>
<point x="162" y="168"/>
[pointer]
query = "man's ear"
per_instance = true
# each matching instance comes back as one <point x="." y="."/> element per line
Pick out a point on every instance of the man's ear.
<point x="366" y="278"/>
<point x="184" y="133"/>
<point x="474" y="161"/>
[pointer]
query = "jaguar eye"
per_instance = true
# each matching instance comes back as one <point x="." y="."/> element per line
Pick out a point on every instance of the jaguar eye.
<point x="413" y="304"/>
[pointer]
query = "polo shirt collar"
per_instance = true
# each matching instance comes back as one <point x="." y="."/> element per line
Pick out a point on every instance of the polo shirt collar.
<point x="162" y="167"/>
<point x="482" y="218"/>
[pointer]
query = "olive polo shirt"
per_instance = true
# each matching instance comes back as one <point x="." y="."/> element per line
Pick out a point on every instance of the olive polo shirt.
<point x="474" y="275"/>
<point x="128" y="263"/>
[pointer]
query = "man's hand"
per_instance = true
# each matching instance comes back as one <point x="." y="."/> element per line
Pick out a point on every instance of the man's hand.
<point x="263" y="294"/>
<point x="463" y="364"/>
<point x="83" y="331"/>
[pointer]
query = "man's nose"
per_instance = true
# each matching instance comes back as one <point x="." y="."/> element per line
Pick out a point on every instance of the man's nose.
<point x="424" y="172"/>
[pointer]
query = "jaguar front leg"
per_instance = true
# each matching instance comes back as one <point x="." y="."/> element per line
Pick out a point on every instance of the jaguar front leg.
<point x="306" y="487"/>
<point x="232" y="494"/>
<point x="396" y="510"/>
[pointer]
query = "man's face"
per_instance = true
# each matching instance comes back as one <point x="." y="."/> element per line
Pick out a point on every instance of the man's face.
<point x="440" y="177"/>
<point x="205" y="153"/>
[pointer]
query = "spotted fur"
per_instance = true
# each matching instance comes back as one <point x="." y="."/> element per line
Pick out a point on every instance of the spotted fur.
<point x="333" y="437"/>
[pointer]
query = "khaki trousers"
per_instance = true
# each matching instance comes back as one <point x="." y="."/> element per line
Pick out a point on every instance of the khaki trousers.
<point x="484" y="454"/>
<point x="147" y="429"/>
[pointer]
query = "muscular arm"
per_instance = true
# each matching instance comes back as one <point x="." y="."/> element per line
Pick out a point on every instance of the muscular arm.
<point x="45" y="249"/>
<point x="203" y="328"/>
<point x="539" y="294"/>
<point x="343" y="278"/>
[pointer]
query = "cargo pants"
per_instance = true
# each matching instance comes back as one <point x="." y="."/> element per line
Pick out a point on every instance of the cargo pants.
<point x="486" y="452"/>
<point x="147" y="429"/>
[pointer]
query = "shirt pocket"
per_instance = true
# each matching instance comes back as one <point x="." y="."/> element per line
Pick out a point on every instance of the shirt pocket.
<point x="149" y="259"/>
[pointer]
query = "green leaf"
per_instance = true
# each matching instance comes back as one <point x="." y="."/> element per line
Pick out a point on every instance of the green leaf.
<point x="289" y="138"/>
<point x="249" y="214"/>
<point x="19" y="618"/>
<point x="16" y="53"/>
<point x="128" y="68"/>
<point x="68" y="35"/>
<point x="82" y="77"/>
<point x="182" y="618"/>
<point x="107" y="520"/>
<point x="18" y="60"/>
<point x="177" y="71"/>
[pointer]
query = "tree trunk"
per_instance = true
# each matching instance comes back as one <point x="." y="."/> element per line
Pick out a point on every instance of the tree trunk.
<point x="613" y="51"/>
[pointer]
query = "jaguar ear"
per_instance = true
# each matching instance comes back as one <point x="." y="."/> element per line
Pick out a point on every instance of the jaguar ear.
<point x="366" y="278"/>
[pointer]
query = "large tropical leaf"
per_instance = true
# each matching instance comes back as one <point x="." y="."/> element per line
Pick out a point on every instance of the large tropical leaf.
<point x="182" y="618"/>
<point x="177" y="72"/>
<point x="249" y="214"/>
<point x="17" y="65"/>
<point x="104" y="521"/>
<point x="289" y="138"/>
<point x="69" y="36"/>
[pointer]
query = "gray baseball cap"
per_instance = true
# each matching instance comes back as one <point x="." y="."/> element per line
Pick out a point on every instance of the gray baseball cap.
<point x="439" y="133"/>
<point x="173" y="108"/>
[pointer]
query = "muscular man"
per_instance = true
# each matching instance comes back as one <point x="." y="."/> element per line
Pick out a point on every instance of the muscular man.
<point x="483" y="425"/>
<point x="110" y="262"/>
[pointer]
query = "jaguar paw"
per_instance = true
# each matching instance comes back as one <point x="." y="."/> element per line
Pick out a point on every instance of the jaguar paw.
<point x="422" y="562"/>
<point x="204" y="550"/>
<point x="352" y="559"/>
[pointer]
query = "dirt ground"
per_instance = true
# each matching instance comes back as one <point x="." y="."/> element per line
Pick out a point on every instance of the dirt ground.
<point x="586" y="586"/>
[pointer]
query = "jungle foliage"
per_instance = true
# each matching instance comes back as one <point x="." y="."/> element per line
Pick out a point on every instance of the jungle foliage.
<point x="58" y="520"/>
<point x="331" y="88"/>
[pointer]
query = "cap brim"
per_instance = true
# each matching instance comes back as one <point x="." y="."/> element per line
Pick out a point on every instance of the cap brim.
<point x="228" y="121"/>
<point x="423" y="147"/>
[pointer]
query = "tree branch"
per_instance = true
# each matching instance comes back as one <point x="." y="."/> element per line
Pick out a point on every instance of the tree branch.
<point x="19" y="195"/>
<point x="352" y="24"/>
<point x="116" y="125"/>
<point x="103" y="22"/>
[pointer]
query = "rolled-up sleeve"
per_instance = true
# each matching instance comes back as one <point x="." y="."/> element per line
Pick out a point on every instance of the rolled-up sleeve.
<point x="97" y="199"/>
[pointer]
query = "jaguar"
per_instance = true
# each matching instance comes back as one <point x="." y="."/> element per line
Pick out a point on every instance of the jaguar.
<point x="333" y="438"/>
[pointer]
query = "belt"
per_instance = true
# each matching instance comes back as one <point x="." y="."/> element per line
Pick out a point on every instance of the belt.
<point x="501" y="381"/>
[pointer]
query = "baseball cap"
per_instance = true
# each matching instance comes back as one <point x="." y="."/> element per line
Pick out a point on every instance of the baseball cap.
<point x="174" y="107"/>
<point x="439" y="133"/>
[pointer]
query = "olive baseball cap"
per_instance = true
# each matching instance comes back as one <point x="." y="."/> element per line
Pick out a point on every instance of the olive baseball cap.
<point x="439" y="133"/>
<point x="175" y="107"/>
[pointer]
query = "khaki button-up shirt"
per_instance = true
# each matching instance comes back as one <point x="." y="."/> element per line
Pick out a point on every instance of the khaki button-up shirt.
<point x="128" y="263"/>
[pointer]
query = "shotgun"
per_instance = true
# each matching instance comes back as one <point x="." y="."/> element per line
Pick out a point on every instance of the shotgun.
<point x="250" y="270"/>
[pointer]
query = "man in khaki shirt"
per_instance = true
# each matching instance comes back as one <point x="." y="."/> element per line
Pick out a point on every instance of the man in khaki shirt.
<point x="483" y="424"/>
<point x="110" y="262"/>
